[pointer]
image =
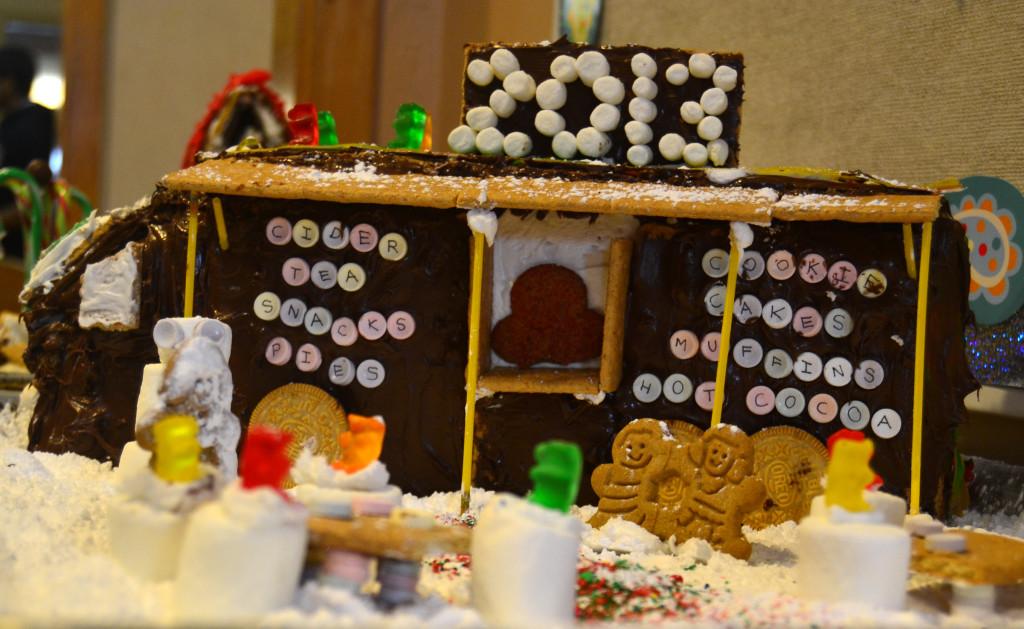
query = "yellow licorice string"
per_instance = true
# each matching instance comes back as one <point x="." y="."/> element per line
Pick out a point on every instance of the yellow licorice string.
<point x="472" y="364"/>
<point x="222" y="228"/>
<point x="190" y="265"/>
<point x="908" y="251"/>
<point x="919" y="349"/>
<point x="723" y="344"/>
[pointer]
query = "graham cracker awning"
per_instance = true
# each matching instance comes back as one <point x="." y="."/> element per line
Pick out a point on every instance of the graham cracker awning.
<point x="362" y="175"/>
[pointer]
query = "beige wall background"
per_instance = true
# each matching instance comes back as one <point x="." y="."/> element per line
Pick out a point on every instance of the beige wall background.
<point x="914" y="90"/>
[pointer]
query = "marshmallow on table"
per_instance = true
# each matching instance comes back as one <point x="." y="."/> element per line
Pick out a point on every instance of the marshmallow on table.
<point x="605" y="117"/>
<point x="520" y="86"/>
<point x="145" y="540"/>
<point x="671" y="146"/>
<point x="695" y="154"/>
<point x="892" y="509"/>
<point x="590" y="66"/>
<point x="551" y="94"/>
<point x="462" y="139"/>
<point x="480" y="118"/>
<point x="642" y="109"/>
<point x="702" y="65"/>
<point x="718" y="151"/>
<point x="549" y="123"/>
<point x="517" y="144"/>
<point x="691" y="112"/>
<point x="564" y="145"/>
<point x="677" y="74"/>
<point x="502" y="104"/>
<point x="592" y="143"/>
<point x="503" y="62"/>
<point x="490" y="141"/>
<point x="609" y="89"/>
<point x="639" y="155"/>
<point x="480" y="72"/>
<point x="563" y="68"/>
<point x="638" y="132"/>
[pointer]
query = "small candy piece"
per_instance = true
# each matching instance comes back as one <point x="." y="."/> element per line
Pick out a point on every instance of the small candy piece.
<point x="778" y="364"/>
<point x="335" y="235"/>
<point x="177" y="449"/>
<point x="372" y="325"/>
<point x="646" y="388"/>
<point x="318" y="320"/>
<point x="718" y="151"/>
<point x="677" y="388"/>
<point x="639" y="155"/>
<point x="704" y="395"/>
<point x="264" y="461"/>
<point x="777" y="313"/>
<point x="351" y="277"/>
<point x="714" y="300"/>
<point x="747" y="308"/>
<point x="781" y="265"/>
<point x="946" y="543"/>
<point x="923" y="525"/>
<point x="638" y="132"/>
<point x="401" y="325"/>
<point x="842" y="275"/>
<point x="308" y="358"/>
<point x="279" y="351"/>
<point x="502" y="104"/>
<point x="702" y="65"/>
<point x="822" y="408"/>
<point x="605" y="117"/>
<point x="855" y="415"/>
<point x="715" y="263"/>
<point x="490" y="141"/>
<point x="563" y="68"/>
<point x="411" y="127"/>
<point x="364" y="237"/>
<point x="480" y="118"/>
<point x="886" y="423"/>
<point x="671" y="146"/>
<point x="747" y="353"/>
<point x="551" y="94"/>
<point x="550" y="123"/>
<point x="871" y="283"/>
<point x="645" y="88"/>
<point x="869" y="374"/>
<point x="344" y="332"/>
<point x="267" y="306"/>
<point x="590" y="66"/>
<point x="684" y="344"/>
<point x="714" y="101"/>
<point x="691" y="112"/>
<point x="370" y="373"/>
<point x="642" y="110"/>
<point x="503" y="63"/>
<point x="709" y="128"/>
<point x="751" y="265"/>
<point x="677" y="74"/>
<point x="695" y="155"/>
<point x="361" y="444"/>
<point x="304" y="124"/>
<point x="279" y="231"/>
<point x="789" y="402"/>
<point x="462" y="139"/>
<point x="520" y="86"/>
<point x="517" y="144"/>
<point x="848" y="472"/>
<point x="643" y="65"/>
<point x="760" y="400"/>
<point x="564" y="145"/>
<point x="807" y="367"/>
<point x="293" y="312"/>
<point x="838" y="323"/>
<point x="306" y="233"/>
<point x="341" y="372"/>
<point x="480" y="72"/>
<point x="724" y="78"/>
<point x="592" y="143"/>
<point x="812" y="268"/>
<point x="556" y="476"/>
<point x="393" y="246"/>
<point x="609" y="89"/>
<point x="709" y="345"/>
<point x="295" y="271"/>
<point x="838" y="371"/>
<point x="807" y="321"/>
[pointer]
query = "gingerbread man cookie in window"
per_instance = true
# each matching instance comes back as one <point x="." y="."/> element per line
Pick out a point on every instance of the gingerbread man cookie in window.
<point x="714" y="489"/>
<point x="642" y="446"/>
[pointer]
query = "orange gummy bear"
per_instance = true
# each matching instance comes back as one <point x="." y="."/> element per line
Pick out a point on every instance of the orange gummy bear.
<point x="361" y="444"/>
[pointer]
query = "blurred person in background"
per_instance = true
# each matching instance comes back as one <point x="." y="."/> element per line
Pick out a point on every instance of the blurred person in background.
<point x="27" y="132"/>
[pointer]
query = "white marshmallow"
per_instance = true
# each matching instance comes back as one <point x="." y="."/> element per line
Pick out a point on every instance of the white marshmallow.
<point x="702" y="65"/>
<point x="520" y="86"/>
<point x="643" y="65"/>
<point x="691" y="112"/>
<point x="592" y="142"/>
<point x="564" y="145"/>
<point x="645" y="88"/>
<point x="549" y="123"/>
<point x="489" y="141"/>
<point x="642" y="109"/>
<point x="504" y="63"/>
<point x="462" y="139"/>
<point x="714" y="101"/>
<point x="480" y="72"/>
<point x="709" y="128"/>
<point x="639" y="155"/>
<point x="517" y="144"/>
<point x="677" y="74"/>
<point x="638" y="132"/>
<point x="725" y="78"/>
<point x="551" y="94"/>
<point x="563" y="68"/>
<point x="590" y="66"/>
<point x="609" y="89"/>
<point x="480" y="118"/>
<point x="695" y="155"/>
<point x="605" y="117"/>
<point x="671" y="146"/>
<point x="718" y="151"/>
<point x="502" y="104"/>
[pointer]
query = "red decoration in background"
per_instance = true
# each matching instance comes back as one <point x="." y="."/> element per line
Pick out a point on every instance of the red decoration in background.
<point x="853" y="435"/>
<point x="304" y="124"/>
<point x="256" y="78"/>
<point x="264" y="460"/>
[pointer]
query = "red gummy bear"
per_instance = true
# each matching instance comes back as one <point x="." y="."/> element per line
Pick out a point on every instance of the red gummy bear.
<point x="304" y="125"/>
<point x="852" y="435"/>
<point x="265" y="462"/>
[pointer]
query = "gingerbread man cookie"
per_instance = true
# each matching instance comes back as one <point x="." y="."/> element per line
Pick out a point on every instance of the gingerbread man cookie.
<point x="642" y="446"/>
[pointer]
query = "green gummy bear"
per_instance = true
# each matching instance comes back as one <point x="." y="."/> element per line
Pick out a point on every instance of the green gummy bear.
<point x="410" y="125"/>
<point x="328" y="128"/>
<point x="556" y="476"/>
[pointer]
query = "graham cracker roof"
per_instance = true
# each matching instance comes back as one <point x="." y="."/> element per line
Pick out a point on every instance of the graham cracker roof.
<point x="357" y="174"/>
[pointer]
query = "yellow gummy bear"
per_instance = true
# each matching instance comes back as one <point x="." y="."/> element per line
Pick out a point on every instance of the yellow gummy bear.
<point x="848" y="474"/>
<point x="176" y="454"/>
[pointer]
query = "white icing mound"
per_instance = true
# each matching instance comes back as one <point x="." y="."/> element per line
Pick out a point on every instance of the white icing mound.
<point x="623" y="536"/>
<point x="14" y="421"/>
<point x="484" y="222"/>
<point x="145" y="487"/>
<point x="314" y="469"/>
<point x="260" y="507"/>
<point x="110" y="292"/>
